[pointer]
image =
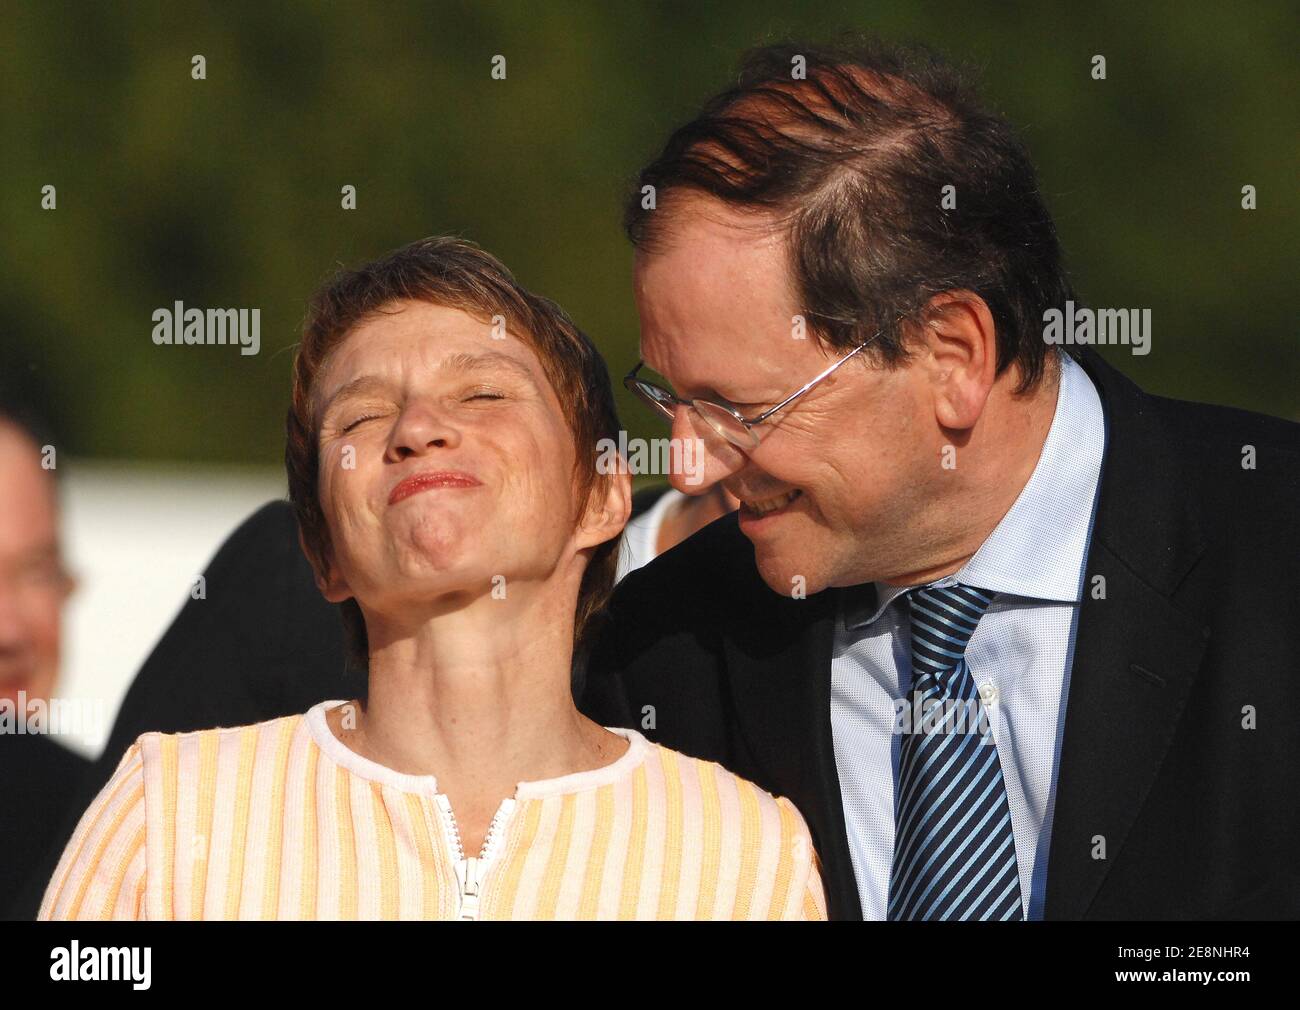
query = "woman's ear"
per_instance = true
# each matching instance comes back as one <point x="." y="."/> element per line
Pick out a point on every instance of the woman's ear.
<point x="608" y="509"/>
<point x="331" y="585"/>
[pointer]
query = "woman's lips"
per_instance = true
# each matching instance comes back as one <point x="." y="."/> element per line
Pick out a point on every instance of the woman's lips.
<point x="418" y="482"/>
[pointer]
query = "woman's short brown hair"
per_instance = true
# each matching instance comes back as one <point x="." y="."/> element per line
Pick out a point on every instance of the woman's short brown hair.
<point x="455" y="273"/>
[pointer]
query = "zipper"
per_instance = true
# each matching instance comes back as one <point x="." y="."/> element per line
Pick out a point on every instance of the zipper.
<point x="471" y="872"/>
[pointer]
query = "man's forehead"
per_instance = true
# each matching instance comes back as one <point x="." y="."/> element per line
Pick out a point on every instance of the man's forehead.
<point x="743" y="364"/>
<point x="687" y="219"/>
<point x="711" y="298"/>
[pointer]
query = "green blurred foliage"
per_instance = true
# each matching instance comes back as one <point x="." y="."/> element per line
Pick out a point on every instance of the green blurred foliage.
<point x="226" y="192"/>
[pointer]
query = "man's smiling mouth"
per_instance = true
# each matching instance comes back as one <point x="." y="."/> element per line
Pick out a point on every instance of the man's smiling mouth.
<point x="764" y="506"/>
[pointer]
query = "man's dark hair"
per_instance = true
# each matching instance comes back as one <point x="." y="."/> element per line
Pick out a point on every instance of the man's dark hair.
<point x="853" y="160"/>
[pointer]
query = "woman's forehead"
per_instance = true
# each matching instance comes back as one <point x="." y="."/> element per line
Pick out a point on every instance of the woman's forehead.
<point x="432" y="338"/>
<point x="431" y="332"/>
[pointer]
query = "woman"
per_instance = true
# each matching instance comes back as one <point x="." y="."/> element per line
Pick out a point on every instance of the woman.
<point x="442" y="461"/>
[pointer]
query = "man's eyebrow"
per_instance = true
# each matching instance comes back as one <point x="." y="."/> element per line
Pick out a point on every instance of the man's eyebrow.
<point x="701" y="392"/>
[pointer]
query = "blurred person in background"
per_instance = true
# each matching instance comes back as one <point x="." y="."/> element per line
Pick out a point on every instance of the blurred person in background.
<point x="662" y="517"/>
<point x="38" y="775"/>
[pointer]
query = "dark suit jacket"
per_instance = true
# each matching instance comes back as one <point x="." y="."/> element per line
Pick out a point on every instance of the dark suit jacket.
<point x="38" y="780"/>
<point x="1196" y="639"/>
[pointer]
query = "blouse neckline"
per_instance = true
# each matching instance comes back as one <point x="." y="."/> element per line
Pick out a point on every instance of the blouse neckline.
<point x="341" y="754"/>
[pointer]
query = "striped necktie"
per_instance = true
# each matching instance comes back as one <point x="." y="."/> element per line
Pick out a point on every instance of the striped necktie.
<point x="954" y="854"/>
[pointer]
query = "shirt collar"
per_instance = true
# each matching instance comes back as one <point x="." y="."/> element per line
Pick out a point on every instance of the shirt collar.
<point x="1037" y="551"/>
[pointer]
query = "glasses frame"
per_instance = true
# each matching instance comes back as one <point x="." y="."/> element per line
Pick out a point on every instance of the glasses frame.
<point x="640" y="387"/>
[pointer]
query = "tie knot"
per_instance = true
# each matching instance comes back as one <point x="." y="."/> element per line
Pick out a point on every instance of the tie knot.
<point x="943" y="619"/>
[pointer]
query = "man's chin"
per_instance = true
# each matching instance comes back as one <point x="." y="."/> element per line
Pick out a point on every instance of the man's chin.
<point x="786" y="576"/>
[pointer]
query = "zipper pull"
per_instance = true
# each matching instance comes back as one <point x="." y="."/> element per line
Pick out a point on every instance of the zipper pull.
<point x="468" y="873"/>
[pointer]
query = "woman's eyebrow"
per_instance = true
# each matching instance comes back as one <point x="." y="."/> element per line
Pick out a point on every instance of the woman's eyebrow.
<point x="360" y="386"/>
<point x="484" y="361"/>
<point x="463" y="362"/>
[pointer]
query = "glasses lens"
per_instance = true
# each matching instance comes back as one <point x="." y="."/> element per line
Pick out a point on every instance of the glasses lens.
<point x="726" y="424"/>
<point x="657" y="397"/>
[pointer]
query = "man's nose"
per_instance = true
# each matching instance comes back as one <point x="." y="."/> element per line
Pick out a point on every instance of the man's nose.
<point x="704" y="458"/>
<point x="421" y="427"/>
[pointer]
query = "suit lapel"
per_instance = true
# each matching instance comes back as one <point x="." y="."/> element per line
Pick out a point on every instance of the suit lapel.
<point x="1136" y="654"/>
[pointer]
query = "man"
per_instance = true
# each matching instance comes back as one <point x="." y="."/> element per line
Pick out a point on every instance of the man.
<point x="37" y="774"/>
<point x="940" y="507"/>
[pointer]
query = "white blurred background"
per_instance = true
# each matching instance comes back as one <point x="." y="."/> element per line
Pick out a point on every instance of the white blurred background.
<point x="137" y="536"/>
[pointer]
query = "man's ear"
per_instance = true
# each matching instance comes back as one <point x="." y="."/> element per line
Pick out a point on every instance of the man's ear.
<point x="960" y="348"/>
<point x="608" y="509"/>
<point x="331" y="585"/>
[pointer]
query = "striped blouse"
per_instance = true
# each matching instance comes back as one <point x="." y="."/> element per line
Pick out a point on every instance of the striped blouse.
<point x="281" y="820"/>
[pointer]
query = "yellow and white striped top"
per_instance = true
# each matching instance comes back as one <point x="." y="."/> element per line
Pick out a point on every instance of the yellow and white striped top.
<point x="281" y="820"/>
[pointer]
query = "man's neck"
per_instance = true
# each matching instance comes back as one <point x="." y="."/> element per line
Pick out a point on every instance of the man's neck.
<point x="1005" y="457"/>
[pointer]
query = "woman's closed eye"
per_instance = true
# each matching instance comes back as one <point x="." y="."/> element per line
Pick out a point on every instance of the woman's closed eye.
<point x="484" y="394"/>
<point x="359" y="420"/>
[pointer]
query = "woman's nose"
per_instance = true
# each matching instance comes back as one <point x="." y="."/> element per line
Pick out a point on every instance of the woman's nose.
<point x="420" y="428"/>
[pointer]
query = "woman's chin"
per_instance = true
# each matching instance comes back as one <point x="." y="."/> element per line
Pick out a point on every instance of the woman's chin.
<point x="432" y="542"/>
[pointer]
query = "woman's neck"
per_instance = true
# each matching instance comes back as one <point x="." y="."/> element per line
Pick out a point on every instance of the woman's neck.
<point x="478" y="700"/>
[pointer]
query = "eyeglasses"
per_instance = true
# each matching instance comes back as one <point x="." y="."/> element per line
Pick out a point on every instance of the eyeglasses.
<point x="723" y="419"/>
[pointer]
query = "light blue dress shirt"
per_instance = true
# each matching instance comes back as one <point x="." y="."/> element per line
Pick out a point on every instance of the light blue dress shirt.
<point x="1020" y="655"/>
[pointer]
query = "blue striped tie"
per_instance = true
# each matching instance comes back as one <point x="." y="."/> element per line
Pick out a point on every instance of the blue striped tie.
<point x="954" y="855"/>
